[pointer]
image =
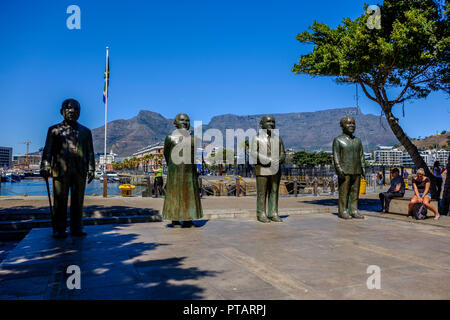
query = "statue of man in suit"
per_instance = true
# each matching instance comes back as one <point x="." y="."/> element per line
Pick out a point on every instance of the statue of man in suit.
<point x="348" y="157"/>
<point x="267" y="151"/>
<point x="68" y="156"/>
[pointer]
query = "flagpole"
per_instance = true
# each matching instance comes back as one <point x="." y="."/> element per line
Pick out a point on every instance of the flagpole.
<point x="105" y="180"/>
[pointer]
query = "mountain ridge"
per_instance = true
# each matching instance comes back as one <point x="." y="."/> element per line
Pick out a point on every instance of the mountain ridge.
<point x="312" y="131"/>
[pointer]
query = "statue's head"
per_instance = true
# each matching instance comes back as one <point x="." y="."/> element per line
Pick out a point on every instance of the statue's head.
<point x="267" y="122"/>
<point x="70" y="109"/>
<point x="182" y="121"/>
<point x="348" y="125"/>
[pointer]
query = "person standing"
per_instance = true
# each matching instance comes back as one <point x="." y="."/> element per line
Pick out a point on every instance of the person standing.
<point x="397" y="189"/>
<point x="68" y="157"/>
<point x="437" y="172"/>
<point x="374" y="180"/>
<point x="335" y="181"/>
<point x="158" y="185"/>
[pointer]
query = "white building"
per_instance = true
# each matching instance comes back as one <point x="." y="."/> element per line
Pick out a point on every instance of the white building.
<point x="110" y="158"/>
<point x="388" y="156"/>
<point x="441" y="156"/>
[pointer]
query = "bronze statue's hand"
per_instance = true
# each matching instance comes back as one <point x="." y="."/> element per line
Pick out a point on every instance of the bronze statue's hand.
<point x="45" y="173"/>
<point x="90" y="176"/>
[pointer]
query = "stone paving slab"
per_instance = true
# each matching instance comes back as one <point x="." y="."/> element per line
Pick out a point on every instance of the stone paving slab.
<point x="309" y="256"/>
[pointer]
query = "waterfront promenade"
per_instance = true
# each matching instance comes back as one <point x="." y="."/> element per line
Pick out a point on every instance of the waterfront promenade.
<point x="312" y="255"/>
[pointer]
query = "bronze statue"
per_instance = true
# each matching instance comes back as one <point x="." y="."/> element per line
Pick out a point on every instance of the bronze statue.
<point x="348" y="157"/>
<point x="182" y="202"/>
<point x="68" y="156"/>
<point x="268" y="153"/>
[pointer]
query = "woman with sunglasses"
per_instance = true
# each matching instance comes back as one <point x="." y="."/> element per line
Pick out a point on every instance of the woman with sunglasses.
<point x="421" y="186"/>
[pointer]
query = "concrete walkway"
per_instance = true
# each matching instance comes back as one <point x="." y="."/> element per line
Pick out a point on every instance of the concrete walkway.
<point x="213" y="207"/>
<point x="309" y="256"/>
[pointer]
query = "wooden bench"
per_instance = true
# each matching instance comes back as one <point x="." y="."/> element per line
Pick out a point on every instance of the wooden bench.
<point x="399" y="205"/>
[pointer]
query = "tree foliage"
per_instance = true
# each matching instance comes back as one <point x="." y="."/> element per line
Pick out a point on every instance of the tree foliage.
<point x="311" y="159"/>
<point x="410" y="51"/>
<point x="407" y="58"/>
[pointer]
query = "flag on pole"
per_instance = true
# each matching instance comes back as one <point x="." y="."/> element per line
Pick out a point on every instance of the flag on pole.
<point x="106" y="75"/>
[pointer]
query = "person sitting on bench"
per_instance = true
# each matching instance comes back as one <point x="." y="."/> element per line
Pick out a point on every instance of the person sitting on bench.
<point x="421" y="186"/>
<point x="397" y="189"/>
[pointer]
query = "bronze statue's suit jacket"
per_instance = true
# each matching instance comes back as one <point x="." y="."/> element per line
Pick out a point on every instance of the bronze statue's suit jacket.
<point x="56" y="151"/>
<point x="262" y="168"/>
<point x="348" y="155"/>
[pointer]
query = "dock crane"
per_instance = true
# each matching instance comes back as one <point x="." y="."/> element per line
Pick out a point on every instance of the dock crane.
<point x="27" y="143"/>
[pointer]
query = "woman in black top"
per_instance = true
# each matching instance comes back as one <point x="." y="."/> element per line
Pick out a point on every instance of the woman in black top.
<point x="421" y="185"/>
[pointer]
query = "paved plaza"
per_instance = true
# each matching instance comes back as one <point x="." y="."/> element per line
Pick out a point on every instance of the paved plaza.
<point x="312" y="255"/>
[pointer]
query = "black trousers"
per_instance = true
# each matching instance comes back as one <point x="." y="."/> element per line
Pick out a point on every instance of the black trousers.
<point x="158" y="186"/>
<point x="386" y="197"/>
<point x="439" y="186"/>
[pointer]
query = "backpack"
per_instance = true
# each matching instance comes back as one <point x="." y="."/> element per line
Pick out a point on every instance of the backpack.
<point x="420" y="211"/>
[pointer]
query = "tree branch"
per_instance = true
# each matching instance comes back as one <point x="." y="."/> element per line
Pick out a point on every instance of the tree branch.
<point x="365" y="91"/>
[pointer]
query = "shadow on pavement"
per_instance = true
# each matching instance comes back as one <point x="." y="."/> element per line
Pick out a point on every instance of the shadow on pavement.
<point x="113" y="264"/>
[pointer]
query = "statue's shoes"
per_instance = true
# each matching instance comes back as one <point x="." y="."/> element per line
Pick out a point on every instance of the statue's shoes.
<point x="275" y="219"/>
<point x="345" y="216"/>
<point x="59" y="235"/>
<point x="188" y="224"/>
<point x="79" y="234"/>
<point x="263" y="219"/>
<point x="357" y="215"/>
<point x="176" y="224"/>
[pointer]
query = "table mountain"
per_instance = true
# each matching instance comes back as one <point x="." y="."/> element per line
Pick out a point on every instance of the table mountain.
<point x="313" y="131"/>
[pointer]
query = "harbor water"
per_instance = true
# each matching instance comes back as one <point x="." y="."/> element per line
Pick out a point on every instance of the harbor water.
<point x="37" y="187"/>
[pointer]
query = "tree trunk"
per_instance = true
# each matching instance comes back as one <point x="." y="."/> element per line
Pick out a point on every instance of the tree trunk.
<point x="412" y="151"/>
<point x="446" y="194"/>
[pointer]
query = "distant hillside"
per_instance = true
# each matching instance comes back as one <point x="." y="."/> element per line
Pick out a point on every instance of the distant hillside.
<point x="313" y="131"/>
<point x="430" y="142"/>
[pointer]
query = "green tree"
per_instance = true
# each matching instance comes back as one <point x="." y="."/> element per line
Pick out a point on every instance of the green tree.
<point x="311" y="159"/>
<point x="407" y="58"/>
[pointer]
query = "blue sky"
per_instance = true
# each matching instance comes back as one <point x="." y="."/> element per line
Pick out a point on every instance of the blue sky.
<point x="203" y="57"/>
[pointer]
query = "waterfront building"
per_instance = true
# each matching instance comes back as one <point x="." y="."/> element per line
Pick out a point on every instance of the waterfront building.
<point x="387" y="156"/>
<point x="390" y="156"/>
<point x="6" y="157"/>
<point x="441" y="156"/>
<point x="156" y="153"/>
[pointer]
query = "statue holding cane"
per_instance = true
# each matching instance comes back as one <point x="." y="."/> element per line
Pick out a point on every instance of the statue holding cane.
<point x="68" y="157"/>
